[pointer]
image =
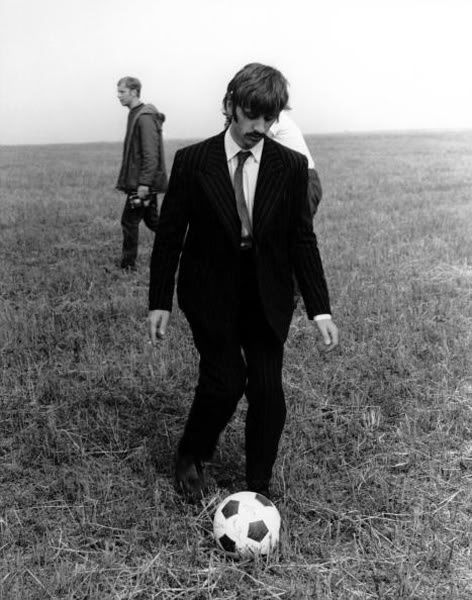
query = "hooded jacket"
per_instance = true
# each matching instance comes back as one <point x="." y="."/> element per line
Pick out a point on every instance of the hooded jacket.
<point x="143" y="160"/>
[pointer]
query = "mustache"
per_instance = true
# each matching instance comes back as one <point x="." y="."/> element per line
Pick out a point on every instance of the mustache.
<point x="257" y="136"/>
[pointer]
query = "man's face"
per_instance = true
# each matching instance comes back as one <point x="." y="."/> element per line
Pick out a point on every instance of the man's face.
<point x="248" y="129"/>
<point x="126" y="96"/>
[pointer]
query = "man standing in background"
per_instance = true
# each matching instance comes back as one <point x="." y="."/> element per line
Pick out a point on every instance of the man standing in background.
<point x="143" y="173"/>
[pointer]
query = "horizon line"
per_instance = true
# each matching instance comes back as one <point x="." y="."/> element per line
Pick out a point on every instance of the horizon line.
<point x="346" y="132"/>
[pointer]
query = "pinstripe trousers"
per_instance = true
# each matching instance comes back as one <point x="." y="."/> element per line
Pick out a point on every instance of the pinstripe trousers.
<point x="248" y="362"/>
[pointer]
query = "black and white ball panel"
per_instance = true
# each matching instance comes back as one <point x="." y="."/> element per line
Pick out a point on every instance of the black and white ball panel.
<point x="246" y="523"/>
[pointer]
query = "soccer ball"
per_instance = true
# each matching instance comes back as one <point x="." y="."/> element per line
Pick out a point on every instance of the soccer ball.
<point x="246" y="524"/>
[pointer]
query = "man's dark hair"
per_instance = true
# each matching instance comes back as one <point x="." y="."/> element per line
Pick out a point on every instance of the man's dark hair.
<point x="258" y="90"/>
<point x="132" y="83"/>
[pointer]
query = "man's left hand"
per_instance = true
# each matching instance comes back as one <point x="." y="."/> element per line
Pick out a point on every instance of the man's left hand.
<point x="330" y="334"/>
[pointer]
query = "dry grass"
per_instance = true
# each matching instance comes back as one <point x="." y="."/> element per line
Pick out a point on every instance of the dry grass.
<point x="375" y="468"/>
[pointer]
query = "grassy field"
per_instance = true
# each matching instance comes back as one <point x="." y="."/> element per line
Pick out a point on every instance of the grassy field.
<point x="374" y="477"/>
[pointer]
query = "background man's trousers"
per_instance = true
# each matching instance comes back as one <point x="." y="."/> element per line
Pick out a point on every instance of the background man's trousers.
<point x="249" y="361"/>
<point x="130" y="220"/>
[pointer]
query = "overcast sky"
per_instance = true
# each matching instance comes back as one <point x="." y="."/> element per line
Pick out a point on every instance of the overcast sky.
<point x="353" y="65"/>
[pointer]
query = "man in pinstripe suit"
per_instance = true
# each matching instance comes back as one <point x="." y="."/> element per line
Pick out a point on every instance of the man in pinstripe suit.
<point x="236" y="215"/>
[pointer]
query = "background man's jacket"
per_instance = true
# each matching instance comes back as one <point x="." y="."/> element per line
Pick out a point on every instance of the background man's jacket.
<point x="143" y="151"/>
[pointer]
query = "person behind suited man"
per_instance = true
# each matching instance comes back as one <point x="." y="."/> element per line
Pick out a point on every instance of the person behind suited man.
<point x="143" y="174"/>
<point x="285" y="131"/>
<point x="239" y="245"/>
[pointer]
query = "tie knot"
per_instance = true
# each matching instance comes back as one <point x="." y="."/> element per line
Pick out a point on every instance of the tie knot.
<point x="243" y="156"/>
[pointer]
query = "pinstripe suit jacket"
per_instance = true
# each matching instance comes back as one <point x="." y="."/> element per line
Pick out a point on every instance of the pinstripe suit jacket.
<point x="199" y="224"/>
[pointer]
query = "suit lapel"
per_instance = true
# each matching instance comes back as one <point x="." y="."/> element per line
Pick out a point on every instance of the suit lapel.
<point x="216" y="182"/>
<point x="269" y="185"/>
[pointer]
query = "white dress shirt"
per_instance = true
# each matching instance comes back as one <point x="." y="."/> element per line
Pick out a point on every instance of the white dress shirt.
<point x="250" y="173"/>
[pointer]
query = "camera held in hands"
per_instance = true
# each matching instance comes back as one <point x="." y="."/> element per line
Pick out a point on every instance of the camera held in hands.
<point x="134" y="201"/>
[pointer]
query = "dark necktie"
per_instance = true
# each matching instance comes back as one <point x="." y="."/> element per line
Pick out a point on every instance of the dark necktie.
<point x="243" y="212"/>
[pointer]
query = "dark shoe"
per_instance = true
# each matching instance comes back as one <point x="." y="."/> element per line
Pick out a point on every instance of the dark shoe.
<point x="189" y="476"/>
<point x="263" y="490"/>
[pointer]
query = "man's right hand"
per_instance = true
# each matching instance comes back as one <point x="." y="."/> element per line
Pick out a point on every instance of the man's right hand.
<point x="158" y="320"/>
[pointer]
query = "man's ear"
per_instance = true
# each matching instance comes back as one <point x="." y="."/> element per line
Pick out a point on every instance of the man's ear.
<point x="230" y="110"/>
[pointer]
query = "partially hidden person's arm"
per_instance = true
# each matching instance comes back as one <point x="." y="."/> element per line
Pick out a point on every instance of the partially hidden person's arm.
<point x="315" y="192"/>
<point x="149" y="137"/>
